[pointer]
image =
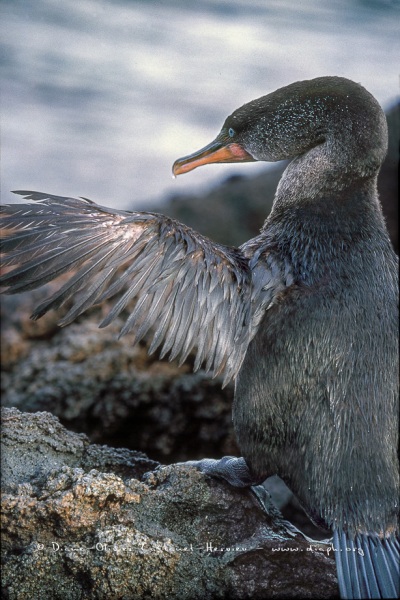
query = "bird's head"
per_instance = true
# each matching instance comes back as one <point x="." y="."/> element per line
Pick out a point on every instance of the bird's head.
<point x="294" y="119"/>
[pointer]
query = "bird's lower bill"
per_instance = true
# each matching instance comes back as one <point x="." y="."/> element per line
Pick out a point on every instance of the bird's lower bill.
<point x="216" y="152"/>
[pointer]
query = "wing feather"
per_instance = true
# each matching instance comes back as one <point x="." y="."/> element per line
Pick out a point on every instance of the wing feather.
<point x="192" y="292"/>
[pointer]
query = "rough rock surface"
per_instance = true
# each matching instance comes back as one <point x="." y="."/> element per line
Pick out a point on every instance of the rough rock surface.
<point x="85" y="521"/>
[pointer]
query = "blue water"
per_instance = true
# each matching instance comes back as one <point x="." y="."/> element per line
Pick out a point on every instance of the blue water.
<point x="99" y="97"/>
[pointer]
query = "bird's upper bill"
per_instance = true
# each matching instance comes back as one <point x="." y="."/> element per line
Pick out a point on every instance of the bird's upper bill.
<point x="218" y="151"/>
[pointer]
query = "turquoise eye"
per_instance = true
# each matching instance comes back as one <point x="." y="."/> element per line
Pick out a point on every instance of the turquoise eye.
<point x="231" y="132"/>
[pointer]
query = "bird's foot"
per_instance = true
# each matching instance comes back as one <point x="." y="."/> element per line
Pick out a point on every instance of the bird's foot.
<point x="234" y="470"/>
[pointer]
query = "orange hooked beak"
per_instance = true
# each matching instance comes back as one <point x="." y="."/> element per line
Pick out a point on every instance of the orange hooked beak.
<point x="218" y="151"/>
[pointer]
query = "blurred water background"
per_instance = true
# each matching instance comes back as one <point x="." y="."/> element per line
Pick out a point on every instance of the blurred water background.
<point x="99" y="97"/>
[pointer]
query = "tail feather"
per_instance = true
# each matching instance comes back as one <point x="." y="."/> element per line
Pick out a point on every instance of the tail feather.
<point x="367" y="566"/>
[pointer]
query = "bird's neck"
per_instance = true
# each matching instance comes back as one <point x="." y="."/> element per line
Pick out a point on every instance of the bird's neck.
<point x="329" y="170"/>
<point x="325" y="204"/>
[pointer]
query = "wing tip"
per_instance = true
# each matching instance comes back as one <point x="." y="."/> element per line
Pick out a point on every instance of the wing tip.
<point x="25" y="193"/>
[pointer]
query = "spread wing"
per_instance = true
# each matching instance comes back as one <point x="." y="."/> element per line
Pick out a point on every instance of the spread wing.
<point x="194" y="293"/>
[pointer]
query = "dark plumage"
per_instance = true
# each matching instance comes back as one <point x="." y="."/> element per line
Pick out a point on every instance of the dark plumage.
<point x="304" y="316"/>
